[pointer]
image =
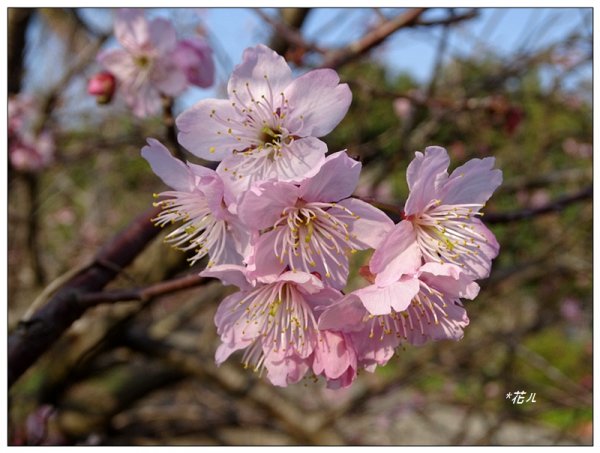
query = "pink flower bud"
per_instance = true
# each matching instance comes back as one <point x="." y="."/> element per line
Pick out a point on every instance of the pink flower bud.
<point x="102" y="85"/>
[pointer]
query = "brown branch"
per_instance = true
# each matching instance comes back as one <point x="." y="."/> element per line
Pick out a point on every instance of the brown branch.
<point x="452" y="19"/>
<point x="338" y="57"/>
<point x="18" y="22"/>
<point x="189" y="281"/>
<point x="556" y="205"/>
<point x="32" y="338"/>
<point x="169" y="122"/>
<point x="286" y="30"/>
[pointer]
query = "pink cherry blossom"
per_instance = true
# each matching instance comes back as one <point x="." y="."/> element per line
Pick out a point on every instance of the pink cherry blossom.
<point x="443" y="210"/>
<point x="312" y="226"/>
<point x="144" y="67"/>
<point x="268" y="126"/>
<point x="274" y="321"/>
<point x="194" y="57"/>
<point x="198" y="202"/>
<point x="379" y="318"/>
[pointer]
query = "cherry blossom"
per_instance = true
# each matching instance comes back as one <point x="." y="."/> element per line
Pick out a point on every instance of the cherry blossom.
<point x="312" y="226"/>
<point x="207" y="226"/>
<point x="144" y="67"/>
<point x="424" y="306"/>
<point x="268" y="127"/>
<point x="274" y="320"/>
<point x="443" y="210"/>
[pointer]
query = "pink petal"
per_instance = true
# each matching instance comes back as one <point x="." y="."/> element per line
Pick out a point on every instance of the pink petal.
<point x="258" y="62"/>
<point x="262" y="205"/>
<point x="198" y="132"/>
<point x="424" y="175"/>
<point x="372" y="225"/>
<point x="195" y="58"/>
<point x="478" y="262"/>
<point x="131" y="29"/>
<point x="119" y="63"/>
<point x="307" y="282"/>
<point x="168" y="78"/>
<point x="286" y="370"/>
<point x="300" y="159"/>
<point x="144" y="100"/>
<point x="229" y="274"/>
<point x="262" y="260"/>
<point x="473" y="182"/>
<point x="346" y="315"/>
<point x="336" y="179"/>
<point x="396" y="296"/>
<point x="374" y="347"/>
<point x="171" y="170"/>
<point x="450" y="279"/>
<point x="397" y="255"/>
<point x="163" y="37"/>
<point x="319" y="102"/>
<point x="333" y="355"/>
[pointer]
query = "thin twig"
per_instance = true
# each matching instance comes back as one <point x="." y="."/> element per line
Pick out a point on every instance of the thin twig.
<point x="289" y="34"/>
<point x="556" y="205"/>
<point x="141" y="294"/>
<point x="336" y="58"/>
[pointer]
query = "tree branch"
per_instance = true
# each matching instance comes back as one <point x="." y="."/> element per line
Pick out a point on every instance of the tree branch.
<point x="554" y="206"/>
<point x="35" y="336"/>
<point x="337" y="58"/>
<point x="189" y="281"/>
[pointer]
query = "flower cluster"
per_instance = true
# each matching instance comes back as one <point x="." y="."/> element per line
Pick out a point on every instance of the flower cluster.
<point x="151" y="63"/>
<point x="278" y="220"/>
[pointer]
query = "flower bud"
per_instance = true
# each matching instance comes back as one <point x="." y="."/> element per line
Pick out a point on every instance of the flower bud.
<point x="102" y="85"/>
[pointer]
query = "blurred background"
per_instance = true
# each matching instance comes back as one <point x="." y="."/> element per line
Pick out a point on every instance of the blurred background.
<point x="511" y="83"/>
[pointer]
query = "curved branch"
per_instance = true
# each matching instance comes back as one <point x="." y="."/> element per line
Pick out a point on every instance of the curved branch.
<point x="35" y="336"/>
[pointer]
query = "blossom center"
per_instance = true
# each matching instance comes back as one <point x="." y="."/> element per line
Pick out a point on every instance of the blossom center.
<point x="279" y="319"/>
<point x="446" y="234"/>
<point x="142" y="61"/>
<point x="313" y="232"/>
<point x="260" y="125"/>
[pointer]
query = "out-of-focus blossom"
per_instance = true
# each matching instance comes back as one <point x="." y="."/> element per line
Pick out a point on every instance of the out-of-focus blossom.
<point x="570" y="309"/>
<point x="102" y="85"/>
<point x="145" y="67"/>
<point x="194" y="57"/>
<point x="575" y="148"/>
<point x="28" y="150"/>
<point x="312" y="226"/>
<point x="268" y="127"/>
<point x="198" y="202"/>
<point x="403" y="108"/>
<point x="443" y="210"/>
<point x="274" y="321"/>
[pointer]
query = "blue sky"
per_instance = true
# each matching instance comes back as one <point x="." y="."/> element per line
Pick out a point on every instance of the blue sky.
<point x="504" y="31"/>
